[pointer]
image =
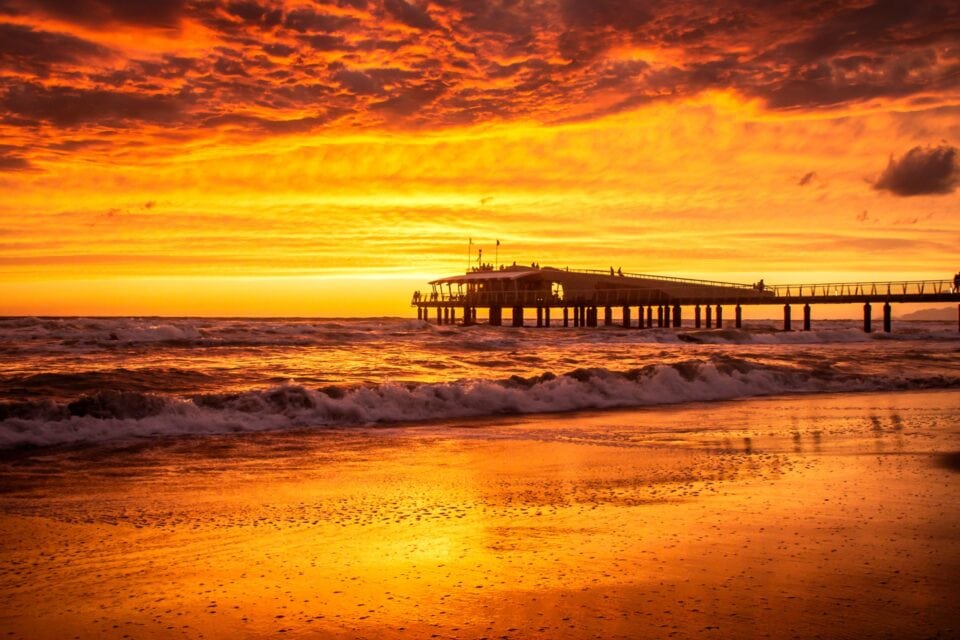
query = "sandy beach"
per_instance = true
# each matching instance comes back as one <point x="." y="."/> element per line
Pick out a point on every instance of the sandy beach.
<point x="815" y="516"/>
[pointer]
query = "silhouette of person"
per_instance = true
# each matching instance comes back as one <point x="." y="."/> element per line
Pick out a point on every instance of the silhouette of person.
<point x="956" y="283"/>
<point x="619" y="271"/>
<point x="760" y="285"/>
<point x="611" y="270"/>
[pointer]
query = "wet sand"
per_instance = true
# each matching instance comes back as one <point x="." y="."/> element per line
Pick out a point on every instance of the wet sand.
<point x="818" y="516"/>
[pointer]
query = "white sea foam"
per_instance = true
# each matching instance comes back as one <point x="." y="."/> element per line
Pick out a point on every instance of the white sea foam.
<point x="116" y="415"/>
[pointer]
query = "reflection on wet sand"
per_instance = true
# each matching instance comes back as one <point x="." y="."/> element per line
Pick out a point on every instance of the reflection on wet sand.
<point x="721" y="520"/>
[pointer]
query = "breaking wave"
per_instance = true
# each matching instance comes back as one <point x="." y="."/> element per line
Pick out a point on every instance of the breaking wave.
<point x="110" y="415"/>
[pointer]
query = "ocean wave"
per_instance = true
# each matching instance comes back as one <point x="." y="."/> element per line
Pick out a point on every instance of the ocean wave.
<point x="109" y="414"/>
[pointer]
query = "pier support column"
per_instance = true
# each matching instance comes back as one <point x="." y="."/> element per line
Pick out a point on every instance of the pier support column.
<point x="666" y="316"/>
<point x="625" y="314"/>
<point x="453" y="315"/>
<point x="676" y="316"/>
<point x="660" y="316"/>
<point x="546" y="317"/>
<point x="419" y="313"/>
<point x="518" y="316"/>
<point x="719" y="317"/>
<point x="806" y="317"/>
<point x="867" y="318"/>
<point x="539" y="316"/>
<point x="607" y="316"/>
<point x="696" y="316"/>
<point x="582" y="313"/>
<point x="887" y="317"/>
<point x="439" y="316"/>
<point x="566" y="317"/>
<point x="640" y="317"/>
<point x="467" y="317"/>
<point x="786" y="317"/>
<point x="709" y="316"/>
<point x="738" y="317"/>
<point x="495" y="316"/>
<point x="592" y="317"/>
<point x="473" y="315"/>
<point x="650" y="316"/>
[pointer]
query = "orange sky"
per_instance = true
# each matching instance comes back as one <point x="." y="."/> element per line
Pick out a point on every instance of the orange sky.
<point x="255" y="158"/>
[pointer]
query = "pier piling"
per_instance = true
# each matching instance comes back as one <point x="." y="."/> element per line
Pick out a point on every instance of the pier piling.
<point x="625" y="313"/>
<point x="887" y="317"/>
<point x="650" y="316"/>
<point x="806" y="317"/>
<point x="607" y="316"/>
<point x="518" y="316"/>
<point x="566" y="317"/>
<point x="696" y="316"/>
<point x="676" y="316"/>
<point x="546" y="317"/>
<point x="786" y="317"/>
<point x="738" y="317"/>
<point x="867" y="318"/>
<point x="709" y="311"/>
<point x="719" y="317"/>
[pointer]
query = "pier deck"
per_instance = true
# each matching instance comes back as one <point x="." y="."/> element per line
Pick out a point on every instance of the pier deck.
<point x="659" y="300"/>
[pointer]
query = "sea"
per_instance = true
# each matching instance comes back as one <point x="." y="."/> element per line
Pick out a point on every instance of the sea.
<point x="68" y="382"/>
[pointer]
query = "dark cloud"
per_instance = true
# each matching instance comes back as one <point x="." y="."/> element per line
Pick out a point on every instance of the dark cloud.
<point x="310" y="21"/>
<point x="921" y="171"/>
<point x="23" y="48"/>
<point x="621" y="15"/>
<point x="69" y="107"/>
<point x="264" y="125"/>
<point x="101" y="13"/>
<point x="357" y="82"/>
<point x="11" y="159"/>
<point x="324" y="42"/>
<point x="409" y="14"/>
<point x="252" y="12"/>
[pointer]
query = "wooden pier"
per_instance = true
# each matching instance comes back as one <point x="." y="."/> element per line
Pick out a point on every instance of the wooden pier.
<point x="589" y="298"/>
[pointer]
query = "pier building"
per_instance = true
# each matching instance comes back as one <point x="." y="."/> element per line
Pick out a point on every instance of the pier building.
<point x="590" y="298"/>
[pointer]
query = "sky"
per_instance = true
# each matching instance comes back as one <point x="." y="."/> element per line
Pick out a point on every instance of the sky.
<point x="216" y="157"/>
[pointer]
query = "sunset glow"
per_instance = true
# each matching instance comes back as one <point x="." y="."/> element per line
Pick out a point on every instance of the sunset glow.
<point x="324" y="158"/>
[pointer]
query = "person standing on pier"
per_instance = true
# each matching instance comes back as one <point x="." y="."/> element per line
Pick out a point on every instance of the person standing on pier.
<point x="956" y="283"/>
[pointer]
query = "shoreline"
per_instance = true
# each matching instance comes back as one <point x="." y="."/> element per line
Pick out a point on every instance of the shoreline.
<point x="791" y="516"/>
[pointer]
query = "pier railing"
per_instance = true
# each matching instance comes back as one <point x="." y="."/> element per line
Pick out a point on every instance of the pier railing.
<point x="861" y="289"/>
<point x="672" y="279"/>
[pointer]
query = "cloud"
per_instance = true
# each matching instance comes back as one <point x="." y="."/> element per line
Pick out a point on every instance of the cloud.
<point x="26" y="49"/>
<point x="416" y="64"/>
<point x="101" y="13"/>
<point x="11" y="159"/>
<point x="409" y="14"/>
<point x="921" y="171"/>
<point x="69" y="107"/>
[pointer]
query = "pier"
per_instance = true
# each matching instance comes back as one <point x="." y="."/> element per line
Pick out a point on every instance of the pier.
<point x="586" y="298"/>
